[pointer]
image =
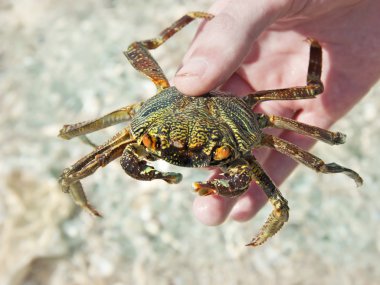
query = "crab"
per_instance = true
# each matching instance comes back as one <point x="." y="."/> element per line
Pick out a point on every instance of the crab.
<point x="217" y="129"/>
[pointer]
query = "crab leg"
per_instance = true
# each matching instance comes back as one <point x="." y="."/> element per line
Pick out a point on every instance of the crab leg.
<point x="236" y="181"/>
<point x="326" y="136"/>
<point x="141" y="59"/>
<point x="280" y="213"/>
<point x="314" y="85"/>
<point x="307" y="158"/>
<point x="139" y="169"/>
<point x="118" y="116"/>
<point x="101" y="156"/>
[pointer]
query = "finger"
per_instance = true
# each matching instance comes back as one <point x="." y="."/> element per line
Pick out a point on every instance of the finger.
<point x="248" y="204"/>
<point x="212" y="210"/>
<point x="237" y="86"/>
<point x="223" y="43"/>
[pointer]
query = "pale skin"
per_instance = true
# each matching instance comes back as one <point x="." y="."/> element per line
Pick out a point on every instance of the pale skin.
<point x="258" y="45"/>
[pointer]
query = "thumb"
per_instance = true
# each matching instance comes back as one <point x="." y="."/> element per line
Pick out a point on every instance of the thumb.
<point x="222" y="44"/>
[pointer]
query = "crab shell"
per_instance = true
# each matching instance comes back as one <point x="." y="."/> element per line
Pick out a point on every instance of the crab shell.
<point x="212" y="129"/>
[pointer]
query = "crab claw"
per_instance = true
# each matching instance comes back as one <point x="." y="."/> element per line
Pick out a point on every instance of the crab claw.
<point x="204" y="188"/>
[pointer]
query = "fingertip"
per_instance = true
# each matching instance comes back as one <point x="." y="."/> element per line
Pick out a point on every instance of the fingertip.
<point x="248" y="205"/>
<point x="212" y="210"/>
<point x="216" y="52"/>
<point x="190" y="79"/>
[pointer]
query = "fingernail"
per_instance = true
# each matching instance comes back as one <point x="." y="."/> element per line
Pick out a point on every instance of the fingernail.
<point x="194" y="68"/>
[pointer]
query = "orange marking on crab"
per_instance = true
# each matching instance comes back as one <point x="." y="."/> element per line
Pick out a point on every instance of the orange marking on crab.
<point x="147" y="141"/>
<point x="222" y="152"/>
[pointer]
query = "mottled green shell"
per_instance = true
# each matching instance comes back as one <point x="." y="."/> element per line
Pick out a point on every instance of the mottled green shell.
<point x="191" y="128"/>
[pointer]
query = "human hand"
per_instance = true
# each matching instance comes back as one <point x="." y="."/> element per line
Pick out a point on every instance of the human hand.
<point x="259" y="45"/>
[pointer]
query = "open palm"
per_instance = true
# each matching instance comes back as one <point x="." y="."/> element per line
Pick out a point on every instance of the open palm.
<point x="247" y="51"/>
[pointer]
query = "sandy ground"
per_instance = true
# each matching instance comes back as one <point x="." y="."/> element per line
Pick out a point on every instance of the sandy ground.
<point x="61" y="62"/>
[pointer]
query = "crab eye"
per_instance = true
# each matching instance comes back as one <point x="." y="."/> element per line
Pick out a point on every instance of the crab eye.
<point x="222" y="152"/>
<point x="156" y="143"/>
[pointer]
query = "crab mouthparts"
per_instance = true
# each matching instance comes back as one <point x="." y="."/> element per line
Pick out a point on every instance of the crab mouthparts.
<point x="185" y="157"/>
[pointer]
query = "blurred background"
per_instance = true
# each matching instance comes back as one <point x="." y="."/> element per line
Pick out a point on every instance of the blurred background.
<point x="62" y="62"/>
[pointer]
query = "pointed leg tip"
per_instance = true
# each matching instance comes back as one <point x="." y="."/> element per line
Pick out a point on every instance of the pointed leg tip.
<point x="359" y="182"/>
<point x="90" y="209"/>
<point x="274" y="223"/>
<point x="336" y="168"/>
<point x="257" y="241"/>
<point x="97" y="214"/>
<point x="356" y="177"/>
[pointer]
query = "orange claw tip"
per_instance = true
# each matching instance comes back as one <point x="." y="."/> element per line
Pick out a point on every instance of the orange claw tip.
<point x="196" y="185"/>
<point x="202" y="189"/>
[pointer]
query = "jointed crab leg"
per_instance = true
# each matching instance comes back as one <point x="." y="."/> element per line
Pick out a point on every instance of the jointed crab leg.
<point x="280" y="213"/>
<point x="314" y="85"/>
<point x="141" y="59"/>
<point x="326" y="136"/>
<point x="101" y="156"/>
<point x="307" y="158"/>
<point x="236" y="181"/>
<point x="113" y="118"/>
